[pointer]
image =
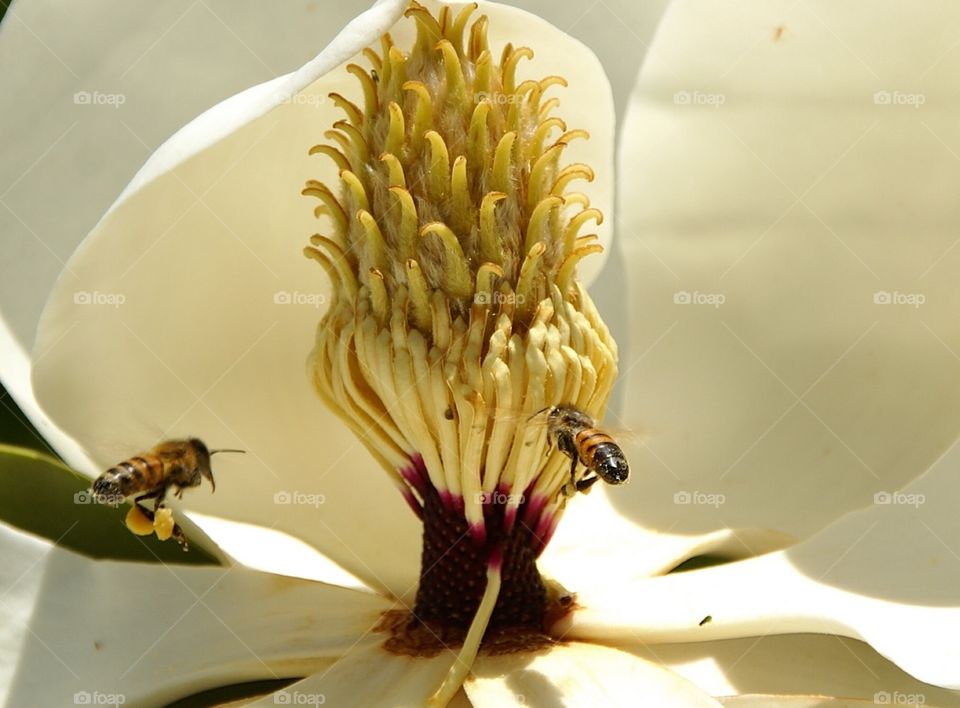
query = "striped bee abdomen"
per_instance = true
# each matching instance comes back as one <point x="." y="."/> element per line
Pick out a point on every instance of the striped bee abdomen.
<point x="588" y="442"/>
<point x="131" y="476"/>
<point x="599" y="452"/>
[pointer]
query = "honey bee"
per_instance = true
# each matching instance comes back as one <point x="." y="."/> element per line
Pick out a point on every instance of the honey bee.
<point x="574" y="433"/>
<point x="149" y="475"/>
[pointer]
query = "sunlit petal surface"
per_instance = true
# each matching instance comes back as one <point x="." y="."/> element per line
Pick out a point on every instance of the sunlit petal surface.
<point x="368" y="676"/>
<point x="887" y="574"/>
<point x="578" y="674"/>
<point x="789" y="227"/>
<point x="156" y="633"/>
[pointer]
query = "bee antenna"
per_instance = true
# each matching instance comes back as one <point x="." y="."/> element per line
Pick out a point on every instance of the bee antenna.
<point x="546" y="408"/>
<point x="214" y="452"/>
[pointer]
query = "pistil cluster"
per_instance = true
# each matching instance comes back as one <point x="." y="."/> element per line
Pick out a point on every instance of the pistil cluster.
<point x="451" y="242"/>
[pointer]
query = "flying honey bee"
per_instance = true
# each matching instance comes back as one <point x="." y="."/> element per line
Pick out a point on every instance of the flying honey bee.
<point x="575" y="436"/>
<point x="149" y="475"/>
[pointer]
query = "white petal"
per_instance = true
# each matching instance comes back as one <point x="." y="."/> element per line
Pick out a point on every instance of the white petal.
<point x="888" y="575"/>
<point x="597" y="544"/>
<point x="772" y="701"/>
<point x="78" y="156"/>
<point x="578" y="674"/>
<point x="196" y="340"/>
<point x="157" y="633"/>
<point x="759" y="167"/>
<point x="368" y="676"/>
<point x="792" y="666"/>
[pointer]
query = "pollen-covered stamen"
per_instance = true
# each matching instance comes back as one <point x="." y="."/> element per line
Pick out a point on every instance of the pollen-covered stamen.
<point x="451" y="244"/>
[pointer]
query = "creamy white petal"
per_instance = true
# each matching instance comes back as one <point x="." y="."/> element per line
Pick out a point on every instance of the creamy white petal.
<point x="578" y="674"/>
<point x="598" y="545"/>
<point x="368" y="676"/>
<point x="888" y="575"/>
<point x="789" y="230"/>
<point x="273" y="551"/>
<point x="792" y="666"/>
<point x="155" y="633"/>
<point x="772" y="701"/>
<point x="145" y="68"/>
<point x="210" y="310"/>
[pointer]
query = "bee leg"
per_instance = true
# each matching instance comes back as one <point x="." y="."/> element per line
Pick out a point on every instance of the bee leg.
<point x="147" y="497"/>
<point x="149" y="514"/>
<point x="181" y="538"/>
<point x="160" y="494"/>
<point x="570" y="488"/>
<point x="584" y="484"/>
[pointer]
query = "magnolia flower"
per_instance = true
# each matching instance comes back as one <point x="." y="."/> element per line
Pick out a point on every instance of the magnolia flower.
<point x="215" y="310"/>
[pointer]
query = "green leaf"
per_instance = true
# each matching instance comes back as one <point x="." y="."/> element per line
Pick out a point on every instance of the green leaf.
<point x="15" y="428"/>
<point x="703" y="561"/>
<point x="44" y="497"/>
<point x="235" y="692"/>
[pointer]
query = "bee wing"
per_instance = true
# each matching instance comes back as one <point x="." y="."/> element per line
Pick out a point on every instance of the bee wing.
<point x="521" y="416"/>
<point x="527" y="418"/>
<point x="627" y="435"/>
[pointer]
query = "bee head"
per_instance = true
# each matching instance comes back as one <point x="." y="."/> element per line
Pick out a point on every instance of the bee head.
<point x="203" y="460"/>
<point x="203" y="457"/>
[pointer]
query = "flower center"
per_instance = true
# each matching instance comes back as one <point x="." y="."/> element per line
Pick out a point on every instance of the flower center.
<point x="456" y="318"/>
<point x="454" y="566"/>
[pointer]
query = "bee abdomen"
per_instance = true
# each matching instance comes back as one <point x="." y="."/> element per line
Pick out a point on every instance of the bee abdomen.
<point x="589" y="441"/>
<point x="131" y="476"/>
<point x="610" y="463"/>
